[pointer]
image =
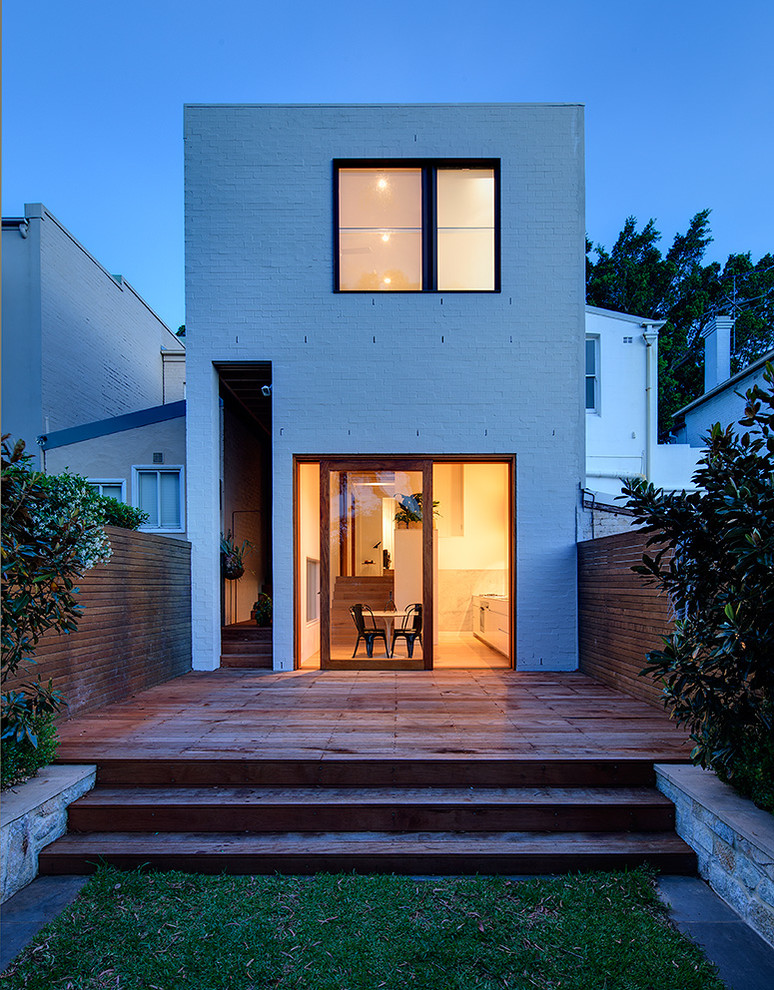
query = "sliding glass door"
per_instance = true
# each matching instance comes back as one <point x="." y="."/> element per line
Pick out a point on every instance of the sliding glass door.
<point x="376" y="552"/>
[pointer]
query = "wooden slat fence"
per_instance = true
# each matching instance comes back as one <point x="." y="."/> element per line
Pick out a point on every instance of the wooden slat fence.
<point x="620" y="616"/>
<point x="136" y="626"/>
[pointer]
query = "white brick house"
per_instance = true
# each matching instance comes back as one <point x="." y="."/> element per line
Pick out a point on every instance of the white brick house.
<point x="301" y="221"/>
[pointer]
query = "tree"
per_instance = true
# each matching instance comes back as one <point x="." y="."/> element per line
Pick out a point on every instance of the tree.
<point x="679" y="288"/>
<point x="51" y="533"/>
<point x="715" y="560"/>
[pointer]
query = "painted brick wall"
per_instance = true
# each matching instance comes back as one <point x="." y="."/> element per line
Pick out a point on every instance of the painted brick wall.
<point x="97" y="345"/>
<point x="409" y="373"/>
<point x="136" y="626"/>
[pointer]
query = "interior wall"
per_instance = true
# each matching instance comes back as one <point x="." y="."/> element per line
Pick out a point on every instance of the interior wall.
<point x="246" y="510"/>
<point x="475" y="562"/>
<point x="308" y="547"/>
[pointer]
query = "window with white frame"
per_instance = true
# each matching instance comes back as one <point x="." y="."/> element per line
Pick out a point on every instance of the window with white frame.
<point x="592" y="374"/>
<point x="159" y="492"/>
<point x="109" y="487"/>
<point x="417" y="226"/>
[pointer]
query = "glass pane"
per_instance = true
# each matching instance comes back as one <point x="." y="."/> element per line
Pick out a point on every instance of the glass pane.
<point x="380" y="229"/>
<point x="380" y="260"/>
<point x="376" y="562"/>
<point x="466" y="259"/>
<point x="473" y="587"/>
<point x="379" y="197"/>
<point x="112" y="491"/>
<point x="147" y="488"/>
<point x="591" y="393"/>
<point x="466" y="197"/>
<point x="591" y="357"/>
<point x="170" y="500"/>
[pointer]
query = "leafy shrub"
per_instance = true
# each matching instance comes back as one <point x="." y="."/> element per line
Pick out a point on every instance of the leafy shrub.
<point x="21" y="760"/>
<point x="715" y="559"/>
<point x="115" y="513"/>
<point x="752" y="773"/>
<point x="262" y="610"/>
<point x="51" y="533"/>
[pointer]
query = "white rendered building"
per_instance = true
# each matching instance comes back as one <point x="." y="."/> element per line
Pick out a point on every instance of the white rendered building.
<point x="384" y="309"/>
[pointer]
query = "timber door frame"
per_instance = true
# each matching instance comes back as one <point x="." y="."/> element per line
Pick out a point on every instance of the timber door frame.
<point x="375" y="463"/>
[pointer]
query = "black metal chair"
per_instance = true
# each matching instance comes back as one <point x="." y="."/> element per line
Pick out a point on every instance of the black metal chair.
<point x="367" y="629"/>
<point x="410" y="629"/>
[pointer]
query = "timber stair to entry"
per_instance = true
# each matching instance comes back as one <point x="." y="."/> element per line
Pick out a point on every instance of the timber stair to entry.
<point x="372" y="590"/>
<point x="247" y="646"/>
<point x="372" y="815"/>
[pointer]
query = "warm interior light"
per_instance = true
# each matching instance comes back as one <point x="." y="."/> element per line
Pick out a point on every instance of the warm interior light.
<point x="387" y="281"/>
<point x="385" y="237"/>
<point x="381" y="184"/>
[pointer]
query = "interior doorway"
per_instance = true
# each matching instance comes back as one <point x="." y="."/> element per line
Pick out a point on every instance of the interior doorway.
<point x="404" y="563"/>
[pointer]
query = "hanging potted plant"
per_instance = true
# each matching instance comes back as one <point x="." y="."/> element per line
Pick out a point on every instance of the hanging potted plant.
<point x="232" y="562"/>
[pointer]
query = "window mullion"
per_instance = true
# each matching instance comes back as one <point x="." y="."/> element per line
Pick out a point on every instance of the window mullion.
<point x="429" y="224"/>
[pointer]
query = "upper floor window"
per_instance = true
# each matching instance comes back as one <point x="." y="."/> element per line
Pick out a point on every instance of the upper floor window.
<point x="110" y="487"/>
<point x="592" y="374"/>
<point x="159" y="492"/>
<point x="417" y="226"/>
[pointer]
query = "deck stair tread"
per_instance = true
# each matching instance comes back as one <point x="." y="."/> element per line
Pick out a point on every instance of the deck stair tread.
<point x="349" y="770"/>
<point x="424" y="852"/>
<point x="395" y="809"/>
<point x="263" y="796"/>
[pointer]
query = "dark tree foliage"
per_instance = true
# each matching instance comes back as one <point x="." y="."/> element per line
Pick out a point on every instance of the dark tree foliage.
<point x="635" y="277"/>
<point x="714" y="557"/>
<point x="38" y="593"/>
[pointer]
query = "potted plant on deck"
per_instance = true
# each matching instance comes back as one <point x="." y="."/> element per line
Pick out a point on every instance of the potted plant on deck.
<point x="262" y="610"/>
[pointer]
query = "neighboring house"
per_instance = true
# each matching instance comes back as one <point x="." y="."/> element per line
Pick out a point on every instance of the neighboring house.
<point x="723" y="400"/>
<point x="621" y="397"/>
<point x="93" y="381"/>
<point x="385" y="309"/>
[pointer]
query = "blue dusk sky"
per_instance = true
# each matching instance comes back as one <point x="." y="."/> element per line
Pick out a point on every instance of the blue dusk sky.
<point x="678" y="97"/>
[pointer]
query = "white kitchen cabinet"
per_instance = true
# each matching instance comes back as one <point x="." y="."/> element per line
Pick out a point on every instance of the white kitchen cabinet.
<point x="491" y="621"/>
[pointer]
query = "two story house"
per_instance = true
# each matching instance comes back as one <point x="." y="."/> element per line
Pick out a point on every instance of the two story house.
<point x="385" y="354"/>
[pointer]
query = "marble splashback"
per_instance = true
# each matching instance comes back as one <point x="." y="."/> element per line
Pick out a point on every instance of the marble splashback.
<point x="455" y="590"/>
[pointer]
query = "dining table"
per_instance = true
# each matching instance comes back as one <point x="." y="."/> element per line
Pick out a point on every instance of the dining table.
<point x="389" y="616"/>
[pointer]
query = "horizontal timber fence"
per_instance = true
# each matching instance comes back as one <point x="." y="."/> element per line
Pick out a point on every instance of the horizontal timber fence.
<point x="136" y="625"/>
<point x="620" y="616"/>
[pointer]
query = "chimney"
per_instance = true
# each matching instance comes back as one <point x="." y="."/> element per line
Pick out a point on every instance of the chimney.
<point x="717" y="351"/>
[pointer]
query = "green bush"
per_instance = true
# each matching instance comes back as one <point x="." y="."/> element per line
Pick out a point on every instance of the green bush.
<point x="115" y="513"/>
<point x="752" y="773"/>
<point x="714" y="557"/>
<point x="21" y="760"/>
<point x="52" y="532"/>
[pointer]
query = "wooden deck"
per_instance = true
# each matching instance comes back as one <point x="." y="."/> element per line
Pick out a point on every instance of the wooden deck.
<point x="446" y="771"/>
<point x="323" y="716"/>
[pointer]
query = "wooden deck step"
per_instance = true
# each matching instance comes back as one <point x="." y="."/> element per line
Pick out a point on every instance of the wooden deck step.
<point x="246" y="661"/>
<point x="369" y="852"/>
<point x="140" y="769"/>
<point x="247" y="647"/>
<point x="386" y="809"/>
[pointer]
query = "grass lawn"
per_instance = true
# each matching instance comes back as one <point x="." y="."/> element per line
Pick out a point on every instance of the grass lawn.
<point x="164" y="931"/>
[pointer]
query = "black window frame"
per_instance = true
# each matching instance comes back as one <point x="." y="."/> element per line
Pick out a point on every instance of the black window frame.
<point x="430" y="168"/>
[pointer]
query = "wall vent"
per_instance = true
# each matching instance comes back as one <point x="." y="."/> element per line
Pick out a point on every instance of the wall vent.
<point x="158" y="457"/>
<point x="628" y="340"/>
